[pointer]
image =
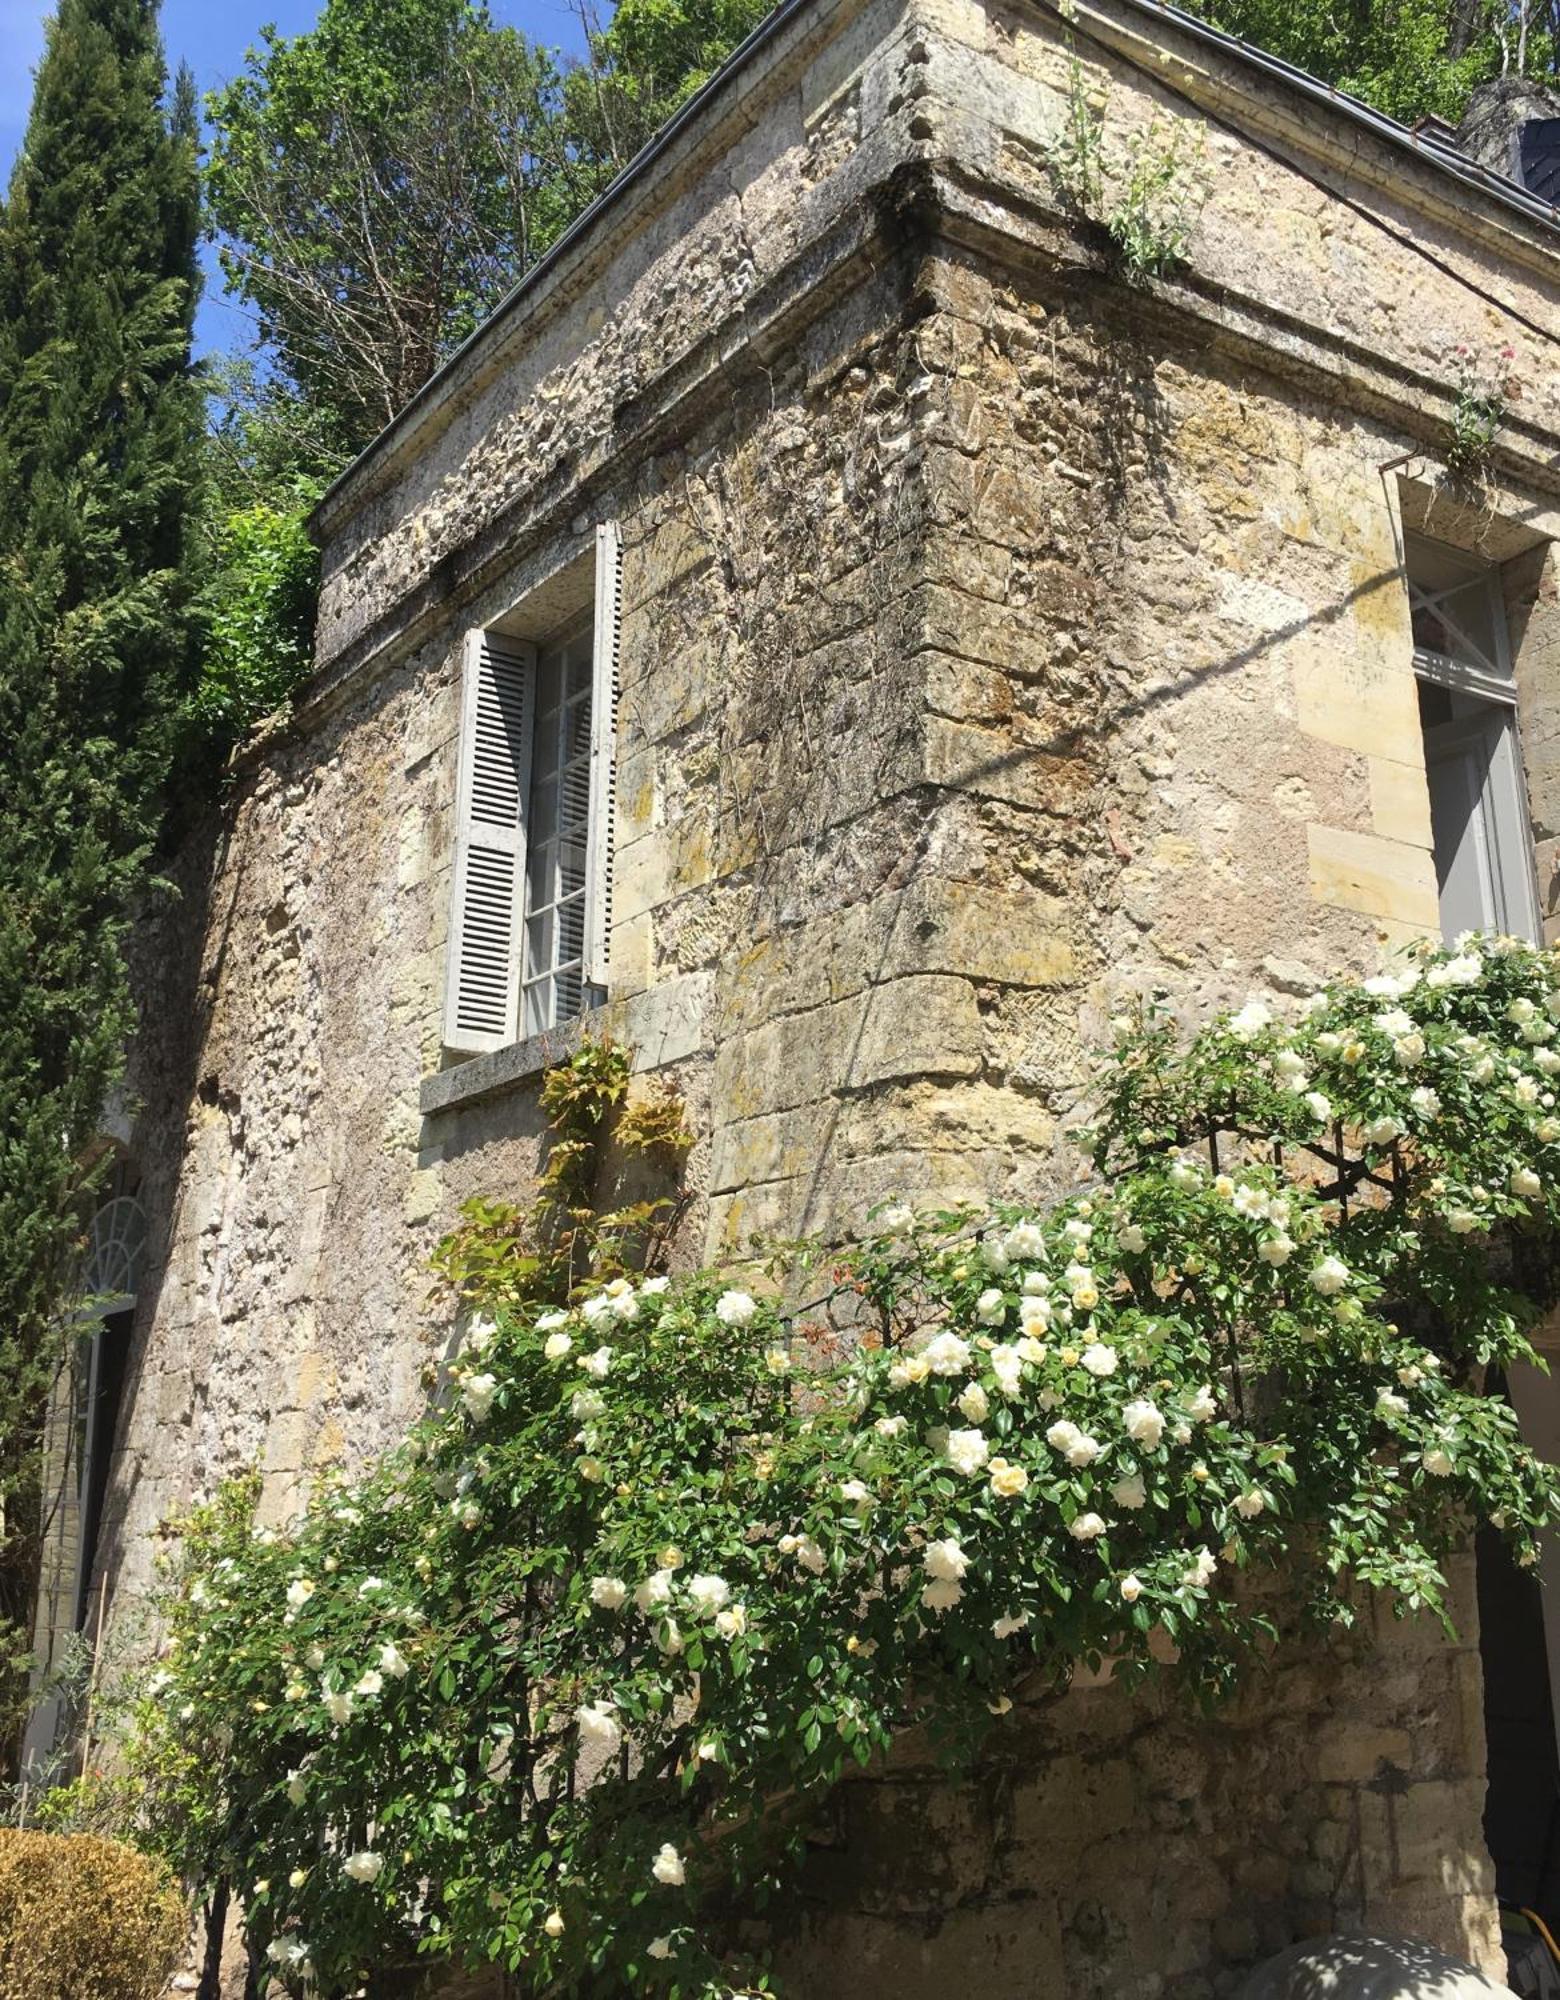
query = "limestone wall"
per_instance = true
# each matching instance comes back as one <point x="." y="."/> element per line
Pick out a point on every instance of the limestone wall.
<point x="998" y="640"/>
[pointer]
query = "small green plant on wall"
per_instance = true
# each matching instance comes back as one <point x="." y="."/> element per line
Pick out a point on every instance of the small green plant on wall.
<point x="557" y="1684"/>
<point x="1147" y="200"/>
<point x="1483" y="394"/>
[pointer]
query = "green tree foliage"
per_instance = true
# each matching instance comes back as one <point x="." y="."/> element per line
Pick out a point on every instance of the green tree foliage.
<point x="99" y="430"/>
<point x="379" y="182"/>
<point x="258" y="610"/>
<point x="1409" y="58"/>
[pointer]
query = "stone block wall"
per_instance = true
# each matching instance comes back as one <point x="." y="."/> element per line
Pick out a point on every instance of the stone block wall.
<point x="1115" y="1846"/>
<point x="998" y="641"/>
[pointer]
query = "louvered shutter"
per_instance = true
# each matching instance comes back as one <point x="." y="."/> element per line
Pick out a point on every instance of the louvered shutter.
<point x="603" y="751"/>
<point x="482" y="992"/>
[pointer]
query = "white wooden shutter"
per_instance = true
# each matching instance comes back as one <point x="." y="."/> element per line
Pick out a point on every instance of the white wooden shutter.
<point x="603" y="750"/>
<point x="482" y="987"/>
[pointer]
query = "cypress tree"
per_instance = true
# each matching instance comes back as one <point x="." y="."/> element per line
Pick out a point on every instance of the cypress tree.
<point x="99" y="443"/>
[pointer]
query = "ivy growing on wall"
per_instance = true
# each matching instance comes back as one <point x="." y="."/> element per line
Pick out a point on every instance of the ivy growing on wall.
<point x="558" y="1682"/>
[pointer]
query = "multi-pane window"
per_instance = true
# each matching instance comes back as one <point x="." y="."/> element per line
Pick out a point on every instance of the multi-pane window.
<point x="533" y="863"/>
<point x="553" y="985"/>
<point x="1468" y="712"/>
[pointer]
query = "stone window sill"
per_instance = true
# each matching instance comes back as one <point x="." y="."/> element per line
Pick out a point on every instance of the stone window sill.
<point x="503" y="1069"/>
<point x="666" y="1023"/>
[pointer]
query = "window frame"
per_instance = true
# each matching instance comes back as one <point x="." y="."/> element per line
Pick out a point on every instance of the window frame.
<point x="479" y="961"/>
<point x="1506" y="823"/>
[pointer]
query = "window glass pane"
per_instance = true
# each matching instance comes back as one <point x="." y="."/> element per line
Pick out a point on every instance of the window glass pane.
<point x="557" y="823"/>
<point x="1455" y="605"/>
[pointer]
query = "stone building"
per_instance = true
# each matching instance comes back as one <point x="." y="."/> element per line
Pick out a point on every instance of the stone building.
<point x="841" y="627"/>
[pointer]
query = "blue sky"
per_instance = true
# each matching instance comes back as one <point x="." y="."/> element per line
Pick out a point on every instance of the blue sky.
<point x="211" y="36"/>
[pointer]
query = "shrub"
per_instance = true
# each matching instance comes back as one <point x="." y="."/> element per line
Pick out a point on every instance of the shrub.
<point x="552" y="1681"/>
<point x="84" y="1919"/>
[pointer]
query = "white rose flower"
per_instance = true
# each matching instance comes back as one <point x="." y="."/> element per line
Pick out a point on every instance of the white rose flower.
<point x="889" y="1427"/>
<point x="586" y="1405"/>
<point x="991" y="1307"/>
<point x="1131" y="1589"/>
<point x="338" y="1703"/>
<point x="393" y="1661"/>
<point x="668" y="1636"/>
<point x="556" y="1346"/>
<point x="1409" y="1049"/>
<point x="597" y="1365"/>
<point x="1130" y="1493"/>
<point x="856" y="1493"/>
<point x="1099" y="1359"/>
<point x="736" y="1308"/>
<point x="1250" y="1021"/>
<point x="1425" y="1101"/>
<point x="994" y="1256"/>
<point x="1024" y="1241"/>
<point x="1251" y="1202"/>
<point x="477" y="1392"/>
<point x="731" y="1623"/>
<point x="1131" y="1238"/>
<point x="596" y="1309"/>
<point x="598" y="1727"/>
<point x="1526" y="1183"/>
<point x="667" y="1866"/>
<point x="1276" y="1250"/>
<point x="297" y="1788"/>
<point x="1329" y="1276"/>
<point x="897" y="1220"/>
<point x="315" y="1658"/>
<point x="1086" y="1527"/>
<point x="1411" y="1375"/>
<point x="1004" y="1628"/>
<point x="1438" y="1461"/>
<point x="299" y="1591"/>
<point x="1200" y="1572"/>
<point x="480" y="1335"/>
<point x="660" y="1947"/>
<point x="1202" y="1406"/>
<point x="1007" y="1365"/>
<point x="654" y="1592"/>
<point x="945" y="1561"/>
<point x="1076" y="1446"/>
<point x="652" y="1288"/>
<point x="1382" y="1131"/>
<point x="546" y="1322"/>
<point x="552" y="1923"/>
<point x="1144" y="1422"/>
<point x="608" y="1593"/>
<point x="1289" y="1064"/>
<point x="708" y="1594"/>
<point x="364" y="1866"/>
<point x="369" y="1683"/>
<point x="1319" y="1105"/>
<point x="946" y="1355"/>
<point x="941" y="1596"/>
<point x="974" y="1403"/>
<point x="1184" y="1174"/>
<point x="1390" y="1404"/>
<point x="1034" y="1312"/>
<point x="1035" y="1286"/>
<point x="1250" y="1503"/>
<point x="809" y="1554"/>
<point x="967" y="1451"/>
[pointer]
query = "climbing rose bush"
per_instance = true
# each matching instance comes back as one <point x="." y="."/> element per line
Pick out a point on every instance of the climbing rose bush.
<point x="556" y="1684"/>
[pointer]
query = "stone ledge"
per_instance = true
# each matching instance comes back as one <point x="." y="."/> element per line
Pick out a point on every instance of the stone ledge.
<point x="664" y="1024"/>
